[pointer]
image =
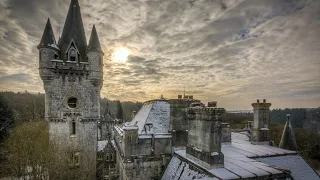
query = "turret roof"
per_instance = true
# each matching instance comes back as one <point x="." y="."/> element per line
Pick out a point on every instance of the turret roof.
<point x="73" y="30"/>
<point x="288" y="140"/>
<point x="48" y="39"/>
<point x="94" y="43"/>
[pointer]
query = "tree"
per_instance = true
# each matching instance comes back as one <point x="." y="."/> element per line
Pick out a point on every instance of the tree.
<point x="6" y="118"/>
<point x="26" y="151"/>
<point x="30" y="155"/>
<point x="119" y="111"/>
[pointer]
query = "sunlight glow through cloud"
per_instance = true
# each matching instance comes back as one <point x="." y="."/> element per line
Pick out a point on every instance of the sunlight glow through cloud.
<point x="120" y="55"/>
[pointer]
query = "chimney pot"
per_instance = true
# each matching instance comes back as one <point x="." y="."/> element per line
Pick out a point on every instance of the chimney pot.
<point x="264" y="100"/>
<point x="257" y="100"/>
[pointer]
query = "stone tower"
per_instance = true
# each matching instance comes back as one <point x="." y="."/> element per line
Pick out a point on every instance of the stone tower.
<point x="204" y="136"/>
<point x="261" y="120"/>
<point x="72" y="74"/>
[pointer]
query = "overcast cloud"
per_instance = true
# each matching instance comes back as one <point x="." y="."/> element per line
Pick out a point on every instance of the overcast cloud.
<point x="233" y="51"/>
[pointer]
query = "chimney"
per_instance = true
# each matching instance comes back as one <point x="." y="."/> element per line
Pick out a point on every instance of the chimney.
<point x="226" y="132"/>
<point x="261" y="121"/>
<point x="212" y="104"/>
<point x="179" y="97"/>
<point x="204" y="144"/>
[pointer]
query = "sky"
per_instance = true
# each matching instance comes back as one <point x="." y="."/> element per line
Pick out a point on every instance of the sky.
<point x="230" y="51"/>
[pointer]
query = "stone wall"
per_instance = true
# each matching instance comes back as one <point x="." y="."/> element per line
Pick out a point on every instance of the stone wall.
<point x="73" y="129"/>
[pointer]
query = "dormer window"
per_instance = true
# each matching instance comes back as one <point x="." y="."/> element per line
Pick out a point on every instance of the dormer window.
<point x="55" y="56"/>
<point x="73" y="55"/>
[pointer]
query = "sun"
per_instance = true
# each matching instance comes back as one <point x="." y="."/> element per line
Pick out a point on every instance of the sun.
<point x="120" y="55"/>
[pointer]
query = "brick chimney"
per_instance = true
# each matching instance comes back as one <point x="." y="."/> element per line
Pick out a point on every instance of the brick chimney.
<point x="204" y="136"/>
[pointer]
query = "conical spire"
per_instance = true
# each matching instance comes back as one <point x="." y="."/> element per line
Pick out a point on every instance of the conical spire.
<point x="94" y="43"/>
<point x="73" y="30"/>
<point x="288" y="141"/>
<point x="47" y="39"/>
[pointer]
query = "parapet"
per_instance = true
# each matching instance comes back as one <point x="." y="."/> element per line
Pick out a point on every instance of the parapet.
<point x="206" y="110"/>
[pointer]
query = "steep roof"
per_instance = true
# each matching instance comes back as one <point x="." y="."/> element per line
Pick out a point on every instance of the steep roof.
<point x="288" y="140"/>
<point x="94" y="43"/>
<point x="155" y="113"/>
<point x="47" y="39"/>
<point x="73" y="30"/>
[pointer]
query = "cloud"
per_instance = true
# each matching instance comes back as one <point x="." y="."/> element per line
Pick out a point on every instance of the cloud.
<point x="225" y="50"/>
<point x="15" y="78"/>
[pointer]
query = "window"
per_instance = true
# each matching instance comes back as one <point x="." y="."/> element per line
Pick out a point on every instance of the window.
<point x="72" y="102"/>
<point x="100" y="61"/>
<point x="73" y="55"/>
<point x="55" y="56"/>
<point x="73" y="127"/>
<point x="74" y="159"/>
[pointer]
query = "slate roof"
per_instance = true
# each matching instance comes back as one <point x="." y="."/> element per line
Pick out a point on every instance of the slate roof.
<point x="156" y="113"/>
<point x="48" y="39"/>
<point x="94" y="43"/>
<point x="73" y="30"/>
<point x="242" y="160"/>
<point x="296" y="164"/>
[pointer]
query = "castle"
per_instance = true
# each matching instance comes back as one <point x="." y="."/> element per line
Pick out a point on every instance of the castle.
<point x="167" y="139"/>
<point x="72" y="74"/>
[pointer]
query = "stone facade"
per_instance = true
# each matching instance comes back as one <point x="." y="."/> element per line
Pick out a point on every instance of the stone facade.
<point x="141" y="156"/>
<point x="204" y="136"/>
<point x="179" y="119"/>
<point x="72" y="92"/>
<point x="107" y="167"/>
<point x="261" y="120"/>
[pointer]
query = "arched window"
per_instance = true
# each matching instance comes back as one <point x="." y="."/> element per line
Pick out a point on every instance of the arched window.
<point x="73" y="55"/>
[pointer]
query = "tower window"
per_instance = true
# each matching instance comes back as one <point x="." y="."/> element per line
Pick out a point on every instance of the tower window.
<point x="73" y="127"/>
<point x="73" y="55"/>
<point x="74" y="158"/>
<point x="72" y="102"/>
<point x="55" y="56"/>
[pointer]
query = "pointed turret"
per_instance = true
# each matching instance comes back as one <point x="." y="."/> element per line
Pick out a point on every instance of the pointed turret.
<point x="94" y="43"/>
<point x="288" y="140"/>
<point x="73" y="31"/>
<point x="48" y="39"/>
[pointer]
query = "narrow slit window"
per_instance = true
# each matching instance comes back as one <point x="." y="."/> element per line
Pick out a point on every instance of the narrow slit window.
<point x="73" y="126"/>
